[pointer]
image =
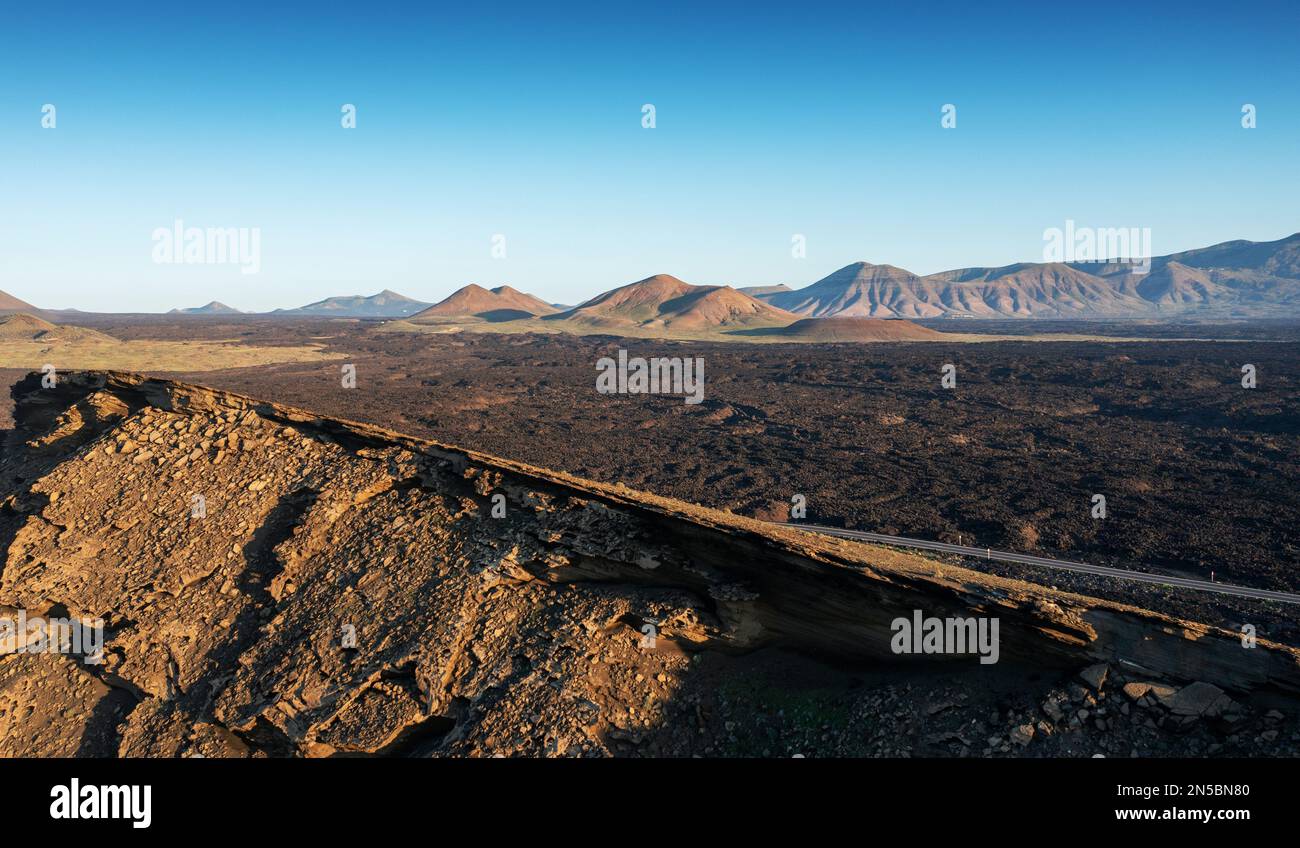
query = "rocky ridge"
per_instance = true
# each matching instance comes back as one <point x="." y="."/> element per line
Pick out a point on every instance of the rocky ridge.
<point x="348" y="590"/>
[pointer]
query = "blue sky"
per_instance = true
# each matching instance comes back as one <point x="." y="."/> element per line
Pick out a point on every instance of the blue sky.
<point x="525" y="121"/>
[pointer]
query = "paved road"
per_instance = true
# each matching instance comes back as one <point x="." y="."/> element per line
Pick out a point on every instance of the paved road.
<point x="1064" y="565"/>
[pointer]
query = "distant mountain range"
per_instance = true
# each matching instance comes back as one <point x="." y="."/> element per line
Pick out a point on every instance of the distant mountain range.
<point x="755" y="291"/>
<point x="386" y="304"/>
<point x="1236" y="279"/>
<point x="213" y="308"/>
<point x="661" y="302"/>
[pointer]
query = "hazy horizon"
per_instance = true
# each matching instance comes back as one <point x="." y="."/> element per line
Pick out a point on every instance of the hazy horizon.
<point x="372" y="291"/>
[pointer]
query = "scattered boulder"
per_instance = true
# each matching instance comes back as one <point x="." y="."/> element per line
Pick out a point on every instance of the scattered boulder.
<point x="1022" y="735"/>
<point x="1095" y="675"/>
<point x="1136" y="691"/>
<point x="1199" y="700"/>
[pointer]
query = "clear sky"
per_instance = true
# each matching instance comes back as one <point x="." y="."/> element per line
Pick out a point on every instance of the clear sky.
<point x="526" y="121"/>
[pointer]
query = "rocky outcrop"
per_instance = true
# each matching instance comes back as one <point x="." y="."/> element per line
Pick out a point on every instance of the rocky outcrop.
<point x="277" y="583"/>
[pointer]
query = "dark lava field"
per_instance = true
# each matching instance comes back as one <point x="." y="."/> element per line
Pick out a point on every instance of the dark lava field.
<point x="1199" y="473"/>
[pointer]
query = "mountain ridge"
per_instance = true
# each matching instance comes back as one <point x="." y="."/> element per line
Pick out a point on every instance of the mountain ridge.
<point x="384" y="304"/>
<point x="1232" y="279"/>
<point x="1264" y="279"/>
<point x="212" y="307"/>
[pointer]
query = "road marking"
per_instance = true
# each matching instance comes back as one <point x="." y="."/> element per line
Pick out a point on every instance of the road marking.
<point x="1063" y="565"/>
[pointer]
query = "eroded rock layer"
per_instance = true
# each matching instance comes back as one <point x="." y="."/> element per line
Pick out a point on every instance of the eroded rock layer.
<point x="277" y="583"/>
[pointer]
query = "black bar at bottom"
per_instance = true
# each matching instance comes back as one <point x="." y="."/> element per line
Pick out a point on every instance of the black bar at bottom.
<point x="653" y="798"/>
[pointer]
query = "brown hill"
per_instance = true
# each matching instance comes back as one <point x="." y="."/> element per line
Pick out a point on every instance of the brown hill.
<point x="665" y="302"/>
<point x="502" y="303"/>
<point x="845" y="329"/>
<point x="24" y="327"/>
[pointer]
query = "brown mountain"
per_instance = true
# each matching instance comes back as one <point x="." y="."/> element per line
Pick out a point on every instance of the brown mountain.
<point x="860" y="289"/>
<point x="1029" y="290"/>
<point x="1238" y="278"/>
<point x="665" y="302"/>
<point x="1017" y="291"/>
<point x="9" y="303"/>
<point x="499" y="304"/>
<point x="1279" y="258"/>
<point x="1175" y="284"/>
